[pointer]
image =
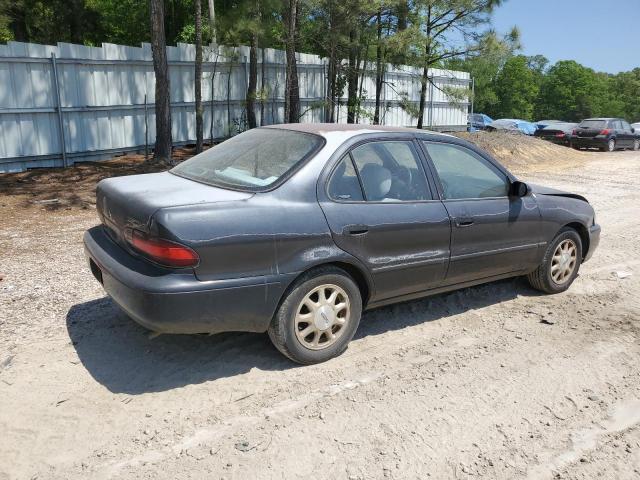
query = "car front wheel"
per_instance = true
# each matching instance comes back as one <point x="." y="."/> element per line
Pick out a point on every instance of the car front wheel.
<point x="318" y="317"/>
<point x="636" y="145"/>
<point x="560" y="264"/>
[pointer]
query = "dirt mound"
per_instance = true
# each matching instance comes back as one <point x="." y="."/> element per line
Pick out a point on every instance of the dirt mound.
<point x="74" y="187"/>
<point x="519" y="152"/>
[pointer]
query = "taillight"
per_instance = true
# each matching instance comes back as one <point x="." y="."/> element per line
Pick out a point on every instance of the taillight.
<point x="574" y="132"/>
<point x="164" y="252"/>
<point x="605" y="131"/>
<point x="559" y="134"/>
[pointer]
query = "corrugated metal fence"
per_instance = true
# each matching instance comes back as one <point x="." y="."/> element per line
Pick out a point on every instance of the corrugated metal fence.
<point x="67" y="103"/>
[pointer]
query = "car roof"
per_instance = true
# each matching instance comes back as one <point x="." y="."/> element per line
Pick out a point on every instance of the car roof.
<point x="326" y="128"/>
<point x="602" y="118"/>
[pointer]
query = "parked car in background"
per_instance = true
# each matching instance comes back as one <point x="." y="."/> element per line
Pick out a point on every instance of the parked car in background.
<point x="559" y="132"/>
<point x="478" y="121"/>
<point x="513" y="125"/>
<point x="296" y="229"/>
<point x="606" y="134"/>
<point x="545" y="123"/>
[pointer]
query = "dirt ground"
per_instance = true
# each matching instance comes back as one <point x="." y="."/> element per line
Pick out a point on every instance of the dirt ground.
<point x="494" y="381"/>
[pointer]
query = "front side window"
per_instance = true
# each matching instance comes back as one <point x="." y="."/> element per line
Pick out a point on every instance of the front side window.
<point x="465" y="174"/>
<point x="390" y="171"/>
<point x="253" y="160"/>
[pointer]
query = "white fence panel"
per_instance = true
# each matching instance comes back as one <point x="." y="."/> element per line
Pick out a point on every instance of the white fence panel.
<point x="102" y="92"/>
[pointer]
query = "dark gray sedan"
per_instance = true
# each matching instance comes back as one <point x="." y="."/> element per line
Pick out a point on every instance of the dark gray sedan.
<point x="295" y="229"/>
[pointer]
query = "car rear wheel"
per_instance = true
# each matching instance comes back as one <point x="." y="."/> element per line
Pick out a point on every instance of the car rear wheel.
<point x="318" y="317"/>
<point x="560" y="264"/>
<point x="611" y="145"/>
<point x="636" y="145"/>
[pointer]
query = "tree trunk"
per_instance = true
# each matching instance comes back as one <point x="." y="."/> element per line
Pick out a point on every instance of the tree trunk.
<point x="379" y="73"/>
<point x="263" y="90"/>
<point x="198" y="77"/>
<point x="425" y="71"/>
<point x="212" y="22"/>
<point x="352" y="88"/>
<point x="18" y="23"/>
<point x="332" y="73"/>
<point x="253" y="81"/>
<point x="423" y="95"/>
<point x="161" y="68"/>
<point x="292" y="91"/>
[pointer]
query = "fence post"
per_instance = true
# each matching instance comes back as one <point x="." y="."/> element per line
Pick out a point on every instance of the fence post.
<point x="431" y="103"/>
<point x="54" y="67"/>
<point x="146" y="129"/>
<point x="473" y="93"/>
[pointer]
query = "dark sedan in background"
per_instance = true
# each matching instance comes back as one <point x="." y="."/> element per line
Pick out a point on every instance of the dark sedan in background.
<point x="606" y="134"/>
<point x="557" y="132"/>
<point x="295" y="229"/>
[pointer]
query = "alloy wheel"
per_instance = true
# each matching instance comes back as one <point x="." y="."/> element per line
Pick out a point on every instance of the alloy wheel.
<point x="322" y="316"/>
<point x="564" y="261"/>
<point x="612" y="145"/>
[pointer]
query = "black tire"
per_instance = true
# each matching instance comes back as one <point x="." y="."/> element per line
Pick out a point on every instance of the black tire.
<point x="282" y="330"/>
<point x="611" y="145"/>
<point x="541" y="278"/>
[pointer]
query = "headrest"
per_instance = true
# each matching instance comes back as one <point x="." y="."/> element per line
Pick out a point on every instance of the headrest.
<point x="376" y="180"/>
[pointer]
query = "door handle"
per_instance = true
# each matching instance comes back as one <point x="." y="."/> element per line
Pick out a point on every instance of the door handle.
<point x="355" y="229"/>
<point x="462" y="222"/>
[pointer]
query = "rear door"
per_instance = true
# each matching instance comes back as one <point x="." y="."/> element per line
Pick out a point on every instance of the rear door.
<point x="380" y="208"/>
<point x="492" y="233"/>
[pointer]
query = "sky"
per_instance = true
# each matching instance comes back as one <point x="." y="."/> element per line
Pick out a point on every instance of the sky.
<point x="600" y="34"/>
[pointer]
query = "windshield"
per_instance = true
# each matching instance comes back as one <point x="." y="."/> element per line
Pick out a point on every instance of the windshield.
<point x="593" y="124"/>
<point x="253" y="160"/>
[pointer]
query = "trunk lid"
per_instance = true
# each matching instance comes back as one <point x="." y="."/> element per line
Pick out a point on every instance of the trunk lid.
<point x="131" y="201"/>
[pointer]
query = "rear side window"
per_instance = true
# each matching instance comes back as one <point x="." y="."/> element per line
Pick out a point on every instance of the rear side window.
<point x="391" y="171"/>
<point x="344" y="184"/>
<point x="385" y="171"/>
<point x="254" y="160"/>
<point x="465" y="174"/>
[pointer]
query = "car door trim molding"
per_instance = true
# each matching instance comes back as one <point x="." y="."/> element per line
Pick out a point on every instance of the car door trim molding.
<point x="416" y="263"/>
<point x="497" y="251"/>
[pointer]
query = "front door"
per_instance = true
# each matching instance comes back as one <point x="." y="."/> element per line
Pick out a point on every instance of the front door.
<point x="492" y="233"/>
<point x="380" y="209"/>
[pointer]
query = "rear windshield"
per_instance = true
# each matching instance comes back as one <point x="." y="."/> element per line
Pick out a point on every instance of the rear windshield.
<point x="254" y="160"/>
<point x="593" y="124"/>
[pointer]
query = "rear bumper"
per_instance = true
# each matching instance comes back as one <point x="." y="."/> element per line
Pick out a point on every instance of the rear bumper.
<point x="592" y="142"/>
<point x="559" y="140"/>
<point x="594" y="241"/>
<point x="170" y="301"/>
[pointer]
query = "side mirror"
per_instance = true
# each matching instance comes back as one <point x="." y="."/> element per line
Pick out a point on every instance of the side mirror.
<point x="519" y="189"/>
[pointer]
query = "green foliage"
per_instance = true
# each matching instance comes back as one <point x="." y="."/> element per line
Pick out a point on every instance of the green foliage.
<point x="516" y="87"/>
<point x="571" y="92"/>
<point x="124" y="22"/>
